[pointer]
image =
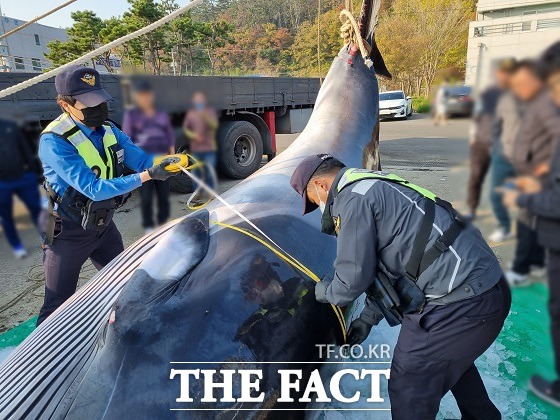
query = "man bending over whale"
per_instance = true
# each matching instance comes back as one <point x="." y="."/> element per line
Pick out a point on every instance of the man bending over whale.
<point x="421" y="266"/>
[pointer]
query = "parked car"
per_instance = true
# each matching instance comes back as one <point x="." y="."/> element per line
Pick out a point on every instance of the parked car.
<point x="459" y="101"/>
<point x="394" y="104"/>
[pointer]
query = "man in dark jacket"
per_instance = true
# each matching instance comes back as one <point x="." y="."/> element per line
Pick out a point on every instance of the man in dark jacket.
<point x="419" y="265"/>
<point x="18" y="177"/>
<point x="542" y="198"/>
<point x="533" y="148"/>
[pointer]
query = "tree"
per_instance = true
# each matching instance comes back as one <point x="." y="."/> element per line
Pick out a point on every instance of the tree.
<point x="151" y="46"/>
<point x="304" y="57"/>
<point x="419" y="38"/>
<point x="215" y="35"/>
<point x="83" y="37"/>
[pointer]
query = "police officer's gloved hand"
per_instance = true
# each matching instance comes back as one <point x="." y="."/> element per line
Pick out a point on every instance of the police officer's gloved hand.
<point x="358" y="331"/>
<point x="159" y="173"/>
<point x="321" y="291"/>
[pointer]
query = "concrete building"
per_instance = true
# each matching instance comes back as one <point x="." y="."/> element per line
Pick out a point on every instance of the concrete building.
<point x="25" y="50"/>
<point x="506" y="28"/>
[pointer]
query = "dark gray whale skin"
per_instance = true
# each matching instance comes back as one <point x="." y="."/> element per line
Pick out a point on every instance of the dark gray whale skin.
<point x="195" y="292"/>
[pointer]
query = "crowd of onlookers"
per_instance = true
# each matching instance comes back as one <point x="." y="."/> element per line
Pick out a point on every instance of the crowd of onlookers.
<point x="516" y="137"/>
<point x="147" y="126"/>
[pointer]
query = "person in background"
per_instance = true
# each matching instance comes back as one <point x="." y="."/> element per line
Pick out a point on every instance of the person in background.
<point x="200" y="126"/>
<point x="440" y="116"/>
<point x="18" y="177"/>
<point x="151" y="130"/>
<point x="480" y="145"/>
<point x="532" y="150"/>
<point x="542" y="198"/>
<point x="504" y="132"/>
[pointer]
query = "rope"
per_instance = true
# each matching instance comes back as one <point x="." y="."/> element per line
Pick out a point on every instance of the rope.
<point x="99" y="51"/>
<point x="36" y="275"/>
<point x="350" y="32"/>
<point x="35" y="19"/>
<point x="273" y="246"/>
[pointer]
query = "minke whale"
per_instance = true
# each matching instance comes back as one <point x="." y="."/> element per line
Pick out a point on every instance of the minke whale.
<point x="204" y="294"/>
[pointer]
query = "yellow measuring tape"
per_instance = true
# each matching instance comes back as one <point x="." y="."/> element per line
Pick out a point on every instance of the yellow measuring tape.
<point x="293" y="262"/>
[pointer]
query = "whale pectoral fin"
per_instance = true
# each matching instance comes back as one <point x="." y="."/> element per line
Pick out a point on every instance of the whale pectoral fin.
<point x="369" y="17"/>
<point x="180" y="250"/>
<point x="378" y="62"/>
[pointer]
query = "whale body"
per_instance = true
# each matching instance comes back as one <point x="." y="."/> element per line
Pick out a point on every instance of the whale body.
<point x="200" y="294"/>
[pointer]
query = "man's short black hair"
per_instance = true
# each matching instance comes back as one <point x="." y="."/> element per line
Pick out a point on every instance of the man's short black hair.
<point x="533" y="66"/>
<point x="65" y="98"/>
<point x="550" y="59"/>
<point x="328" y="167"/>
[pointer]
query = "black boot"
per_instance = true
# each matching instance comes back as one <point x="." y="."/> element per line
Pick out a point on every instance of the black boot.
<point x="546" y="390"/>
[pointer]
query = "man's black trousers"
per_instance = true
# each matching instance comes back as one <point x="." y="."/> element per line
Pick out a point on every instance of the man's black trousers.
<point x="64" y="259"/>
<point x="146" y="194"/>
<point x="553" y="269"/>
<point x="527" y="250"/>
<point x="436" y="351"/>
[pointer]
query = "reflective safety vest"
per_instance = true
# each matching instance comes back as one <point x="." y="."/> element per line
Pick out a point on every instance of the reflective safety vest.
<point x="70" y="204"/>
<point x="354" y="175"/>
<point x="401" y="295"/>
<point x="65" y="127"/>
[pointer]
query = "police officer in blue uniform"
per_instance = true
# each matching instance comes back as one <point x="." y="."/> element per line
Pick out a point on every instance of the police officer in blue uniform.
<point x="84" y="158"/>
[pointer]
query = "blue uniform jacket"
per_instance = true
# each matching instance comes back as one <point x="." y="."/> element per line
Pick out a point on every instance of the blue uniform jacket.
<point x="64" y="167"/>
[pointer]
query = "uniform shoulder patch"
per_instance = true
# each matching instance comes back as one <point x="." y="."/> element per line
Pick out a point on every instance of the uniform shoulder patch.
<point x="336" y="221"/>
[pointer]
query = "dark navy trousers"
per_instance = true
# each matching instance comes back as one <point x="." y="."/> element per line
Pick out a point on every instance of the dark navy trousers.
<point x="70" y="249"/>
<point x="553" y="268"/>
<point x="435" y="353"/>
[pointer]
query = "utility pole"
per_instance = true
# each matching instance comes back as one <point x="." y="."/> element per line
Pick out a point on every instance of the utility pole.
<point x="481" y="48"/>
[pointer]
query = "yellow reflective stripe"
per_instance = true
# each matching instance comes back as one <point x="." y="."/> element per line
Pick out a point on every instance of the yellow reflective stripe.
<point x="58" y="121"/>
<point x="92" y="158"/>
<point x="85" y="147"/>
<point x="109" y="139"/>
<point x="293" y="262"/>
<point x="354" y="175"/>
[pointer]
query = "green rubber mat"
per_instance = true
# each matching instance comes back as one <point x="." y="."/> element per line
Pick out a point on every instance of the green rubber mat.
<point x="528" y="347"/>
<point x="16" y="335"/>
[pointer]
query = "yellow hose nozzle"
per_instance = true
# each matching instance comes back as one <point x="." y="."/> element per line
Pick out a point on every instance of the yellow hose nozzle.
<point x="172" y="161"/>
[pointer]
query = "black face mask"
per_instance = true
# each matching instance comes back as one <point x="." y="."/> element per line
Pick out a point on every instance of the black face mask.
<point x="95" y="116"/>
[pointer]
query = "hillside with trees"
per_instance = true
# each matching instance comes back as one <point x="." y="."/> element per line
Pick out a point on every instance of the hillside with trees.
<point x="421" y="40"/>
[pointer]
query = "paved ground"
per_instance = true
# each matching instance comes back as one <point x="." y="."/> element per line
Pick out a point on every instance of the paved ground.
<point x="435" y="157"/>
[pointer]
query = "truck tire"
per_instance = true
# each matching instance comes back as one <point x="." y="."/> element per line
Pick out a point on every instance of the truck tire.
<point x="181" y="183"/>
<point x="240" y="149"/>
